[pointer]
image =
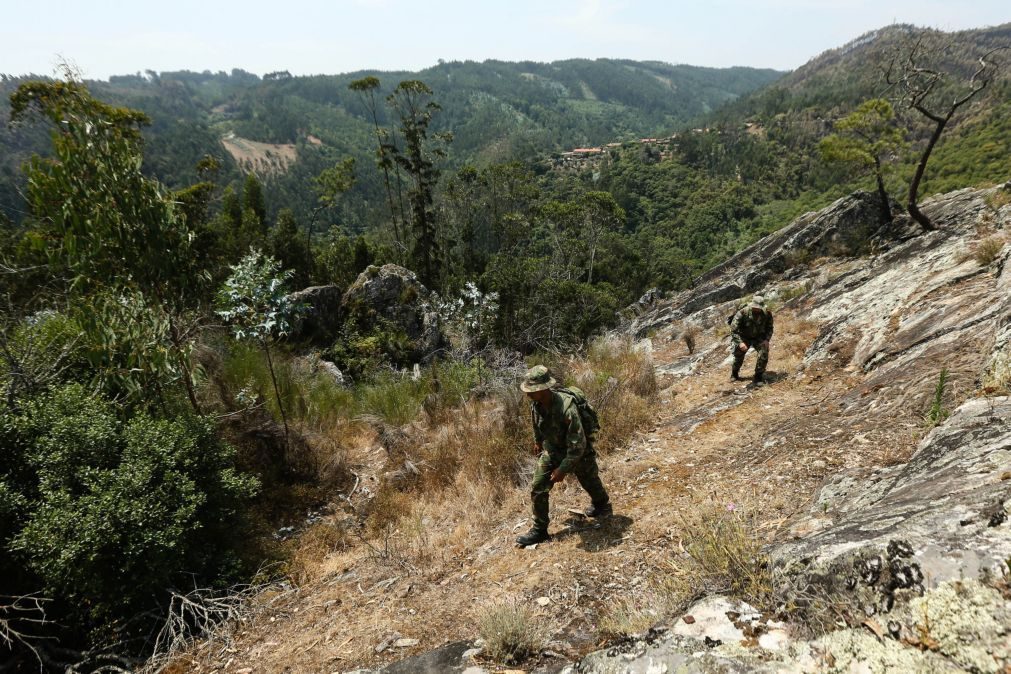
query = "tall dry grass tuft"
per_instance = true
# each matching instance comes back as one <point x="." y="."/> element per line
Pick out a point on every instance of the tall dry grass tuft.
<point x="511" y="632"/>
<point x="314" y="547"/>
<point x="636" y="613"/>
<point x="620" y="381"/>
<point x="689" y="334"/>
<point x="723" y="555"/>
<point x="726" y="555"/>
<point x="987" y="250"/>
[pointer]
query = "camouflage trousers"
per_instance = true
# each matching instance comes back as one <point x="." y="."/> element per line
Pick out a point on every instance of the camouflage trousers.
<point x="761" y="348"/>
<point x="585" y="471"/>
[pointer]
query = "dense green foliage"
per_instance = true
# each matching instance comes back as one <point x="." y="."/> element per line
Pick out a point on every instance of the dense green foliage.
<point x="107" y="513"/>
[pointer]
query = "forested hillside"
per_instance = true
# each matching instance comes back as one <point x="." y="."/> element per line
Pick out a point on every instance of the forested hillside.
<point x="496" y="111"/>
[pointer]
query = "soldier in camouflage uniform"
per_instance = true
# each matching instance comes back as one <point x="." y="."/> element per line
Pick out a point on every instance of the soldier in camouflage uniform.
<point x="751" y="327"/>
<point x="563" y="445"/>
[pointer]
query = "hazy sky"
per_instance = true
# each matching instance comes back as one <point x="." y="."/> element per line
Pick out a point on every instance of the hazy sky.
<point x="107" y="37"/>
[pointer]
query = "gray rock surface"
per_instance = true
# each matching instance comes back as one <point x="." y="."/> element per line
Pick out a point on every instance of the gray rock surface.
<point x="452" y="658"/>
<point x="941" y="516"/>
<point x="393" y="294"/>
<point x="960" y="626"/>
<point x="850" y="225"/>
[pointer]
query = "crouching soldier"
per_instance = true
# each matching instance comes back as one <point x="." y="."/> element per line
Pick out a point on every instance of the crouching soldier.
<point x="564" y="425"/>
<point x="751" y="327"/>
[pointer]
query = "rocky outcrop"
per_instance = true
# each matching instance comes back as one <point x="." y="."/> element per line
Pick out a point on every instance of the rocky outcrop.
<point x="391" y="297"/>
<point x="850" y="226"/>
<point x="320" y="323"/>
<point x="901" y="550"/>
<point x="941" y="516"/>
<point x="959" y="626"/>
<point x="913" y="554"/>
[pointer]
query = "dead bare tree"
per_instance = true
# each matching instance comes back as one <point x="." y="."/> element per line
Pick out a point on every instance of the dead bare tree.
<point x="922" y="84"/>
<point x="20" y="618"/>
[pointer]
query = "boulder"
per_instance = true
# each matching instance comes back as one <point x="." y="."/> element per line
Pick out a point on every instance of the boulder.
<point x="321" y="321"/>
<point x="391" y="296"/>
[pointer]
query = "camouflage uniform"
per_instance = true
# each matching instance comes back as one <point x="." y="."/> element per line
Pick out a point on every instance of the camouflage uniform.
<point x="559" y="430"/>
<point x="755" y="331"/>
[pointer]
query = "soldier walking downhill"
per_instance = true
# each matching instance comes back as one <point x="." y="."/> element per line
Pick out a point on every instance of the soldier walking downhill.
<point x="565" y="446"/>
<point x="751" y="327"/>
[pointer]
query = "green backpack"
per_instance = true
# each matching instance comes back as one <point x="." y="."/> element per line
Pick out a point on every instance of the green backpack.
<point x="587" y="415"/>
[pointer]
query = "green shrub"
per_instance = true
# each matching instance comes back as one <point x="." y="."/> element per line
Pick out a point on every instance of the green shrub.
<point x="361" y="354"/>
<point x="394" y="399"/>
<point x="44" y="350"/>
<point x="116" y="511"/>
<point x="937" y="412"/>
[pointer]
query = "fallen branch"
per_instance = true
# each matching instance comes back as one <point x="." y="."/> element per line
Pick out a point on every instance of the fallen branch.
<point x="17" y="614"/>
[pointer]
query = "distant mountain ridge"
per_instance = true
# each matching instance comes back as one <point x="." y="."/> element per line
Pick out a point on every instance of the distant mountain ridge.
<point x="496" y="110"/>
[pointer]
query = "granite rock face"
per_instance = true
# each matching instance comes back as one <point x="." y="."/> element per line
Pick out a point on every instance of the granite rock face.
<point x="941" y="516"/>
<point x="850" y="225"/>
<point x="393" y="295"/>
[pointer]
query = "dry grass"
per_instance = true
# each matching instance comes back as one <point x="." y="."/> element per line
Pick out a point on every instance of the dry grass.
<point x="634" y="614"/>
<point x="987" y="250"/>
<point x="689" y="334"/>
<point x="722" y="555"/>
<point x="998" y="199"/>
<point x="797" y="257"/>
<point x="511" y="632"/>
<point x="315" y="545"/>
<point x="726" y="555"/>
<point x="986" y="247"/>
<point x="997" y="380"/>
<point x="792" y="338"/>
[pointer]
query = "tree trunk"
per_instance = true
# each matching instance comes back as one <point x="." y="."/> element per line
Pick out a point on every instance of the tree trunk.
<point x="886" y="207"/>
<point x="914" y="186"/>
<point x="184" y="366"/>
<point x="277" y="393"/>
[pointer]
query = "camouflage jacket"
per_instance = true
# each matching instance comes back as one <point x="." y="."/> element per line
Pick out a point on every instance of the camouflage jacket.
<point x="560" y="430"/>
<point x="751" y="329"/>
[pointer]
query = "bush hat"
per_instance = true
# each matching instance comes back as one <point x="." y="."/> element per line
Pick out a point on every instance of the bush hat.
<point x="538" y="379"/>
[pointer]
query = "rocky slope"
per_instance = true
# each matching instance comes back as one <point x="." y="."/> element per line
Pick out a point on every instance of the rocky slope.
<point x="916" y="549"/>
<point x="887" y="537"/>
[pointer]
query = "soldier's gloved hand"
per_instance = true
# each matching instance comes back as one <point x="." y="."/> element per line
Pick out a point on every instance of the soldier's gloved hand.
<point x="765" y="345"/>
<point x="742" y="347"/>
<point x="557" y="475"/>
<point x="536" y="450"/>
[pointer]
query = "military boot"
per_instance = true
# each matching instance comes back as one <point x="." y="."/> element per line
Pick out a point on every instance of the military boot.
<point x="533" y="536"/>
<point x="759" y="378"/>
<point x="735" y="375"/>
<point x="605" y="510"/>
